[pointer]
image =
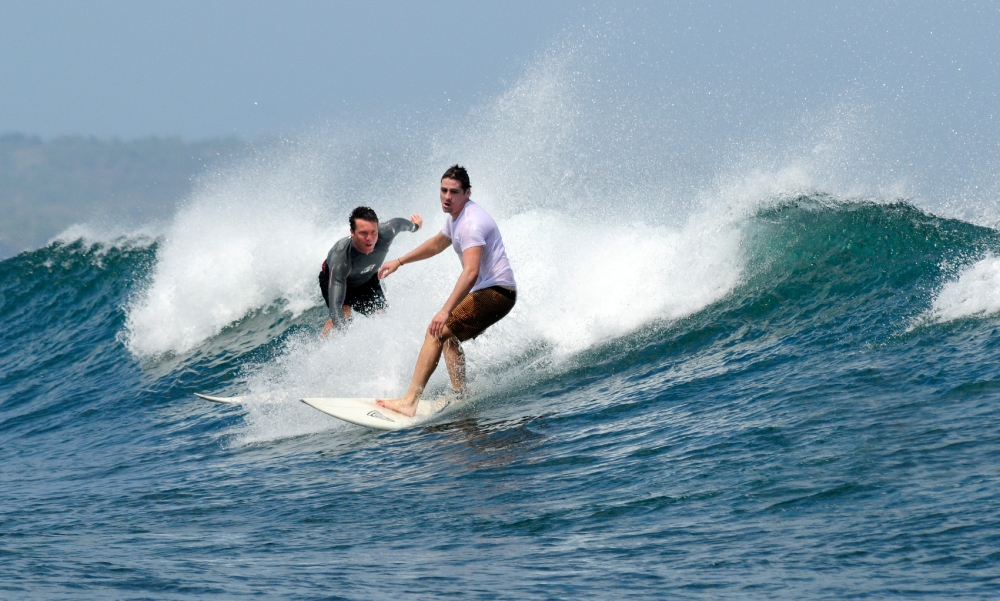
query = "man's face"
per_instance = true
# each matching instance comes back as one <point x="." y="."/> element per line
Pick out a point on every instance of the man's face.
<point x="453" y="198"/>
<point x="364" y="235"/>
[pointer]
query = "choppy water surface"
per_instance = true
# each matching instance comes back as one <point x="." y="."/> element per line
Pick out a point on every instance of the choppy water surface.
<point x="743" y="379"/>
<point x="821" y="426"/>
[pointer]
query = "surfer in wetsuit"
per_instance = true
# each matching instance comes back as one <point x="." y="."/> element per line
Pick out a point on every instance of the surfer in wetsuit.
<point x="484" y="293"/>
<point x="349" y="276"/>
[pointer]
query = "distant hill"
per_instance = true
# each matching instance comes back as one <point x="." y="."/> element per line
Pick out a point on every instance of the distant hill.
<point x="46" y="186"/>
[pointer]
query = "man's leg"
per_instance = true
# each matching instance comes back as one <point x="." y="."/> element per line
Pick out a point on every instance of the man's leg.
<point x="470" y="317"/>
<point x="454" y="359"/>
<point x="427" y="362"/>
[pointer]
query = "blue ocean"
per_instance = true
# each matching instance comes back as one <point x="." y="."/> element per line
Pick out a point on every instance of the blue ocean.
<point x="773" y="381"/>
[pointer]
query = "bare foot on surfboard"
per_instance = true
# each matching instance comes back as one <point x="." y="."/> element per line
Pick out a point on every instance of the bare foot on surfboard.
<point x="399" y="406"/>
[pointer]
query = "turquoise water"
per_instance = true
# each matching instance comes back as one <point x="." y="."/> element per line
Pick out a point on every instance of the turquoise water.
<point x="807" y="408"/>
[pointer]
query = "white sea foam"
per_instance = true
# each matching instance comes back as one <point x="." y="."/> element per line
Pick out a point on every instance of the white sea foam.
<point x="976" y="292"/>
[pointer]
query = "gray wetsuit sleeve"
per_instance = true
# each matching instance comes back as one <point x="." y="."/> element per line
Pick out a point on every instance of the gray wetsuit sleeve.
<point x="394" y="226"/>
<point x="339" y="268"/>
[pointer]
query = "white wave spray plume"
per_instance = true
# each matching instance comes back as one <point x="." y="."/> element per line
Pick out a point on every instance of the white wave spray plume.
<point x="238" y="245"/>
<point x="589" y="268"/>
<point x="605" y="233"/>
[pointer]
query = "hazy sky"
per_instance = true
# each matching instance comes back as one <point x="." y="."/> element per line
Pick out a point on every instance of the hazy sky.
<point x="212" y="68"/>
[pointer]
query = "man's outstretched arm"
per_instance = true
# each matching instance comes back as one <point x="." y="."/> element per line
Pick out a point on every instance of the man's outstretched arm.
<point x="428" y="249"/>
<point x="401" y="224"/>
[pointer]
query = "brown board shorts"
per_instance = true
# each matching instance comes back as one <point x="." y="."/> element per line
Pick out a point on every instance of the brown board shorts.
<point x="479" y="310"/>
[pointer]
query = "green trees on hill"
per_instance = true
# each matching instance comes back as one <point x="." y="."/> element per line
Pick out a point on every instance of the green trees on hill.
<point x="46" y="186"/>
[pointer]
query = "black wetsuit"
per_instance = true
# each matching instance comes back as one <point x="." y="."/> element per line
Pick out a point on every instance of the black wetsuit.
<point x="350" y="278"/>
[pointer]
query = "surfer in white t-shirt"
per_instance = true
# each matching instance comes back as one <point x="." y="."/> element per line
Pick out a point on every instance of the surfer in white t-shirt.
<point x="484" y="294"/>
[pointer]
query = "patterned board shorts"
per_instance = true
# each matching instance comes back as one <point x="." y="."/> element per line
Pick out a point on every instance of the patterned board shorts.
<point x="479" y="310"/>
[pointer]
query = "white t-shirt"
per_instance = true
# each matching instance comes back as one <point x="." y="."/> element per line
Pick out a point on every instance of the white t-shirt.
<point x="475" y="227"/>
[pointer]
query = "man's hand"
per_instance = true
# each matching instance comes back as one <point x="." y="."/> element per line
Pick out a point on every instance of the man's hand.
<point x="327" y="328"/>
<point x="427" y="249"/>
<point x="415" y="218"/>
<point x="387" y="268"/>
<point x="437" y="324"/>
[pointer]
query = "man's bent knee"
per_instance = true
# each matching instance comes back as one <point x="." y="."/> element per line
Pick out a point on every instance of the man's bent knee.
<point x="445" y="336"/>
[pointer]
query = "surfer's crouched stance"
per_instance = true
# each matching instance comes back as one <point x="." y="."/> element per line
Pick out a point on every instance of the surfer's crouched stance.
<point x="349" y="276"/>
<point x="484" y="294"/>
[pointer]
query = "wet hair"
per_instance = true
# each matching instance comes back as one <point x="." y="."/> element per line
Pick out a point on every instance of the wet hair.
<point x="365" y="213"/>
<point x="459" y="174"/>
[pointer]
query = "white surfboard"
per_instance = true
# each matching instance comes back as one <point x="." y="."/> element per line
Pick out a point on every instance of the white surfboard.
<point x="228" y="400"/>
<point x="264" y="397"/>
<point x="364" y="412"/>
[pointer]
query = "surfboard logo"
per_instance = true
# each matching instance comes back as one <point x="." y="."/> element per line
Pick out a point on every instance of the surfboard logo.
<point x="378" y="415"/>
